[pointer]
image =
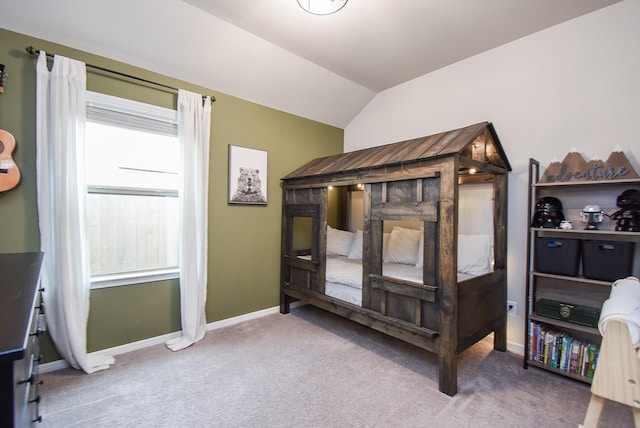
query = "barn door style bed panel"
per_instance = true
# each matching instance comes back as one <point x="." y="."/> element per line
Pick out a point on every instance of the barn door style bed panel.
<point x="407" y="238"/>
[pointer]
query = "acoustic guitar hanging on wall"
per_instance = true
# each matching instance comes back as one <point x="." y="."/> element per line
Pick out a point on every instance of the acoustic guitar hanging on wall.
<point x="9" y="172"/>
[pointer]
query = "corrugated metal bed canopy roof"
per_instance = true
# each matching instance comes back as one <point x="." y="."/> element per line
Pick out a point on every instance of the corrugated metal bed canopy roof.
<point x="461" y="141"/>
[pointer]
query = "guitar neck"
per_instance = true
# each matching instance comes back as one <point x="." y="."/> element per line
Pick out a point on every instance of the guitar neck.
<point x="3" y="78"/>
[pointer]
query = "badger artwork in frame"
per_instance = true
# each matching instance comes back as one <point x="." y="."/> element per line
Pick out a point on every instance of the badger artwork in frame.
<point x="247" y="176"/>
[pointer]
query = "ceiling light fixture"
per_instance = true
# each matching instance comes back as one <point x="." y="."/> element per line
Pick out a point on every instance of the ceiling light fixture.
<point x="322" y="7"/>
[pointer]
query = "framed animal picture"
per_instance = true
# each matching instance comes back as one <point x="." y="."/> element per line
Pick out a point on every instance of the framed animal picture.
<point x="247" y="176"/>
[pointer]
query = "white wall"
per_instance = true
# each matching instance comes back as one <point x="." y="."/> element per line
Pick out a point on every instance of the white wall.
<point x="475" y="211"/>
<point x="576" y="84"/>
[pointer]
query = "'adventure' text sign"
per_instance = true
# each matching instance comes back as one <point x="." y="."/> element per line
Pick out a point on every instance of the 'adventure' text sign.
<point x="574" y="168"/>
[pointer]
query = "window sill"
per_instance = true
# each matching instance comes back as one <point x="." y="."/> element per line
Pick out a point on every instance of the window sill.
<point x="129" y="278"/>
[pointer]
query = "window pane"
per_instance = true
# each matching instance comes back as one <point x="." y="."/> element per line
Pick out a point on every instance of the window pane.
<point x="131" y="233"/>
<point x="131" y="164"/>
<point x="121" y="157"/>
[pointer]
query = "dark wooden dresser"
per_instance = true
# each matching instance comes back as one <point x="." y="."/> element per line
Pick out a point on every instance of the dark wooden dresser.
<point x="19" y="349"/>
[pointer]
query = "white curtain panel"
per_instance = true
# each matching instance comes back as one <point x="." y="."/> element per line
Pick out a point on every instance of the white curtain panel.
<point x="60" y="115"/>
<point x="194" y="128"/>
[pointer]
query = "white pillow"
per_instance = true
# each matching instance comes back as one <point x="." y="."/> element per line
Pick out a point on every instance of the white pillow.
<point x="403" y="246"/>
<point x="385" y="242"/>
<point x="475" y="253"/>
<point x="356" y="247"/>
<point x="339" y="242"/>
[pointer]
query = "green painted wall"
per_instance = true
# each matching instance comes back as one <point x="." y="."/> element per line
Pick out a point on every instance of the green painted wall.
<point x="244" y="241"/>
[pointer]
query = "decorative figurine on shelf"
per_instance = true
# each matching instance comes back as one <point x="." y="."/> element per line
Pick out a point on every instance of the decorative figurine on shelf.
<point x="628" y="217"/>
<point x="566" y="225"/>
<point x="592" y="215"/>
<point x="548" y="213"/>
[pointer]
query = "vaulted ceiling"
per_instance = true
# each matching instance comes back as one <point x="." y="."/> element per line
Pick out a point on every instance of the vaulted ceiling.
<point x="381" y="43"/>
<point x="326" y="68"/>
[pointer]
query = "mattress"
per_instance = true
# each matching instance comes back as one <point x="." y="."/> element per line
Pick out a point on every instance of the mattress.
<point x="343" y="277"/>
<point x="343" y="292"/>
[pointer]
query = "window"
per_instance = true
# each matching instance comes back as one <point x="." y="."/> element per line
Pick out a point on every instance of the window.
<point x="131" y="160"/>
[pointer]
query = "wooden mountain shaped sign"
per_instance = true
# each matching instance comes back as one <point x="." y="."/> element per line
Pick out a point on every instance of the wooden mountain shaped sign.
<point x="574" y="168"/>
<point x="617" y="157"/>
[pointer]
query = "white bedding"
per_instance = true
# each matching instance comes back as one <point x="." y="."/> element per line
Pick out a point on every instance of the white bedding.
<point x="343" y="277"/>
<point x="345" y="271"/>
<point x="402" y="259"/>
<point x="342" y="270"/>
<point x="343" y="292"/>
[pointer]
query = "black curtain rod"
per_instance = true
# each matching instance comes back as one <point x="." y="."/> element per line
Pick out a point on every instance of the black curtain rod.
<point x="33" y="51"/>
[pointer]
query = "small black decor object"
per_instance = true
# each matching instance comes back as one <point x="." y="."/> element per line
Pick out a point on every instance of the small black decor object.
<point x="548" y="213"/>
<point x="627" y="218"/>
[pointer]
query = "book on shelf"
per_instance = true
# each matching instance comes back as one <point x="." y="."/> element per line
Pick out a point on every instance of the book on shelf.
<point x="558" y="349"/>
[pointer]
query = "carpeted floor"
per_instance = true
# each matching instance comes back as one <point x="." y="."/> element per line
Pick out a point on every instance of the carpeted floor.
<point x="313" y="369"/>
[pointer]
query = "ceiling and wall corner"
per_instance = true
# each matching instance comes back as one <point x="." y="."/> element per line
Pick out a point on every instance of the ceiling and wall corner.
<point x="380" y="44"/>
<point x="571" y="85"/>
<point x="583" y="67"/>
<point x="325" y="68"/>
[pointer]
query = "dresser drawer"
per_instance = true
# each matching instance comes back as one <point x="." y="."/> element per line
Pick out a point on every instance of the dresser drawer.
<point x="19" y="339"/>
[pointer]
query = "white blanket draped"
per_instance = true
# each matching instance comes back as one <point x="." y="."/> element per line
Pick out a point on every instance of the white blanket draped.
<point x="623" y="305"/>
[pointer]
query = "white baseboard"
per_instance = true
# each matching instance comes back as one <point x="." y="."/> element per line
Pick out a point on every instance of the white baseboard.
<point x="52" y="366"/>
<point x="159" y="340"/>
<point x="516" y="348"/>
<point x="241" y="318"/>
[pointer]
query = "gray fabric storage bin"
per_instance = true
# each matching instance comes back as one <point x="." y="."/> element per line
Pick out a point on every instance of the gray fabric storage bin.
<point x="559" y="256"/>
<point x="607" y="260"/>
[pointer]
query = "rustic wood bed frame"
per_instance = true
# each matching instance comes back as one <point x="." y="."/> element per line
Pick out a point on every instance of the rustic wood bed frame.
<point x="415" y="180"/>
